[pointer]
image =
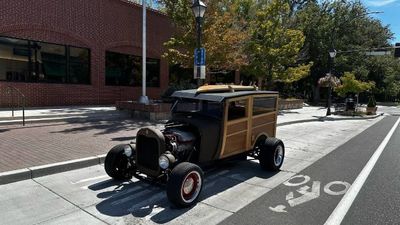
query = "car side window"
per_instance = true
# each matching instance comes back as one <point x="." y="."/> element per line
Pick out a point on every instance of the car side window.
<point x="263" y="105"/>
<point x="237" y="109"/>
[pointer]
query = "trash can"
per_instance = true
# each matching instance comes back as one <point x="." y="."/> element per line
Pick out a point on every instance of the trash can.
<point x="350" y="104"/>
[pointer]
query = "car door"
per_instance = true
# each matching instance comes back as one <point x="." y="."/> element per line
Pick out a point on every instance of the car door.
<point x="236" y="135"/>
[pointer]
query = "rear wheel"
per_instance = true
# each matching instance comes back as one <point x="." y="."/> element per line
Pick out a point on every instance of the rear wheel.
<point x="272" y="154"/>
<point x="117" y="164"/>
<point x="185" y="184"/>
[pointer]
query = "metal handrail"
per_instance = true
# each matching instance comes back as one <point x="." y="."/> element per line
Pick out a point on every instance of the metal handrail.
<point x="21" y="101"/>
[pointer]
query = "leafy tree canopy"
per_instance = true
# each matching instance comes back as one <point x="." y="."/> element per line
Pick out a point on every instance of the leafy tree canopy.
<point x="224" y="33"/>
<point x="274" y="44"/>
<point x="256" y="36"/>
<point x="351" y="85"/>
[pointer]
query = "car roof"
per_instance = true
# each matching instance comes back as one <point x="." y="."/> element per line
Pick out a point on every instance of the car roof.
<point x="216" y="96"/>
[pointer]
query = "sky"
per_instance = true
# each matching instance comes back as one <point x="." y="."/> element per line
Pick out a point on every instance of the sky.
<point x="390" y="15"/>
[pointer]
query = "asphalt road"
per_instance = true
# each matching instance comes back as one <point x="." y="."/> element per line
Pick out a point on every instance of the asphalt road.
<point x="311" y="196"/>
<point x="378" y="202"/>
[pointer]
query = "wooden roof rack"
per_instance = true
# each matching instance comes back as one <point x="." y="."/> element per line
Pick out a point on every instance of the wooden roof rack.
<point x="225" y="88"/>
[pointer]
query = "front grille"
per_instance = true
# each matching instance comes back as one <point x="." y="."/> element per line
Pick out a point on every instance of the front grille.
<point x="150" y="144"/>
<point x="147" y="154"/>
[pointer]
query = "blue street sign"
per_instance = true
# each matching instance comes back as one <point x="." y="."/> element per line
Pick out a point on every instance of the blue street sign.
<point x="200" y="57"/>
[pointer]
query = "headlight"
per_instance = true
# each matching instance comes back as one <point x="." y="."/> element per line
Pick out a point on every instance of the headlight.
<point x="128" y="150"/>
<point x="163" y="161"/>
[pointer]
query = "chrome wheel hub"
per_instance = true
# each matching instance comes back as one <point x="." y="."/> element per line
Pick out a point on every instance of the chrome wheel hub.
<point x="191" y="187"/>
<point x="278" y="157"/>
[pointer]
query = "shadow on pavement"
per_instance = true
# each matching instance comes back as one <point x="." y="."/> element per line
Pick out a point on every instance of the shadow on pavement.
<point x="106" y="126"/>
<point x="282" y="113"/>
<point x="129" y="138"/>
<point x="101" y="126"/>
<point x="142" y="199"/>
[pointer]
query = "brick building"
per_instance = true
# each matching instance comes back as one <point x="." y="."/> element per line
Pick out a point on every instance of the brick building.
<point x="78" y="52"/>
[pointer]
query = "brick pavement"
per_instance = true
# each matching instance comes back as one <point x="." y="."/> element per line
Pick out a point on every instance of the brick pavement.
<point x="40" y="144"/>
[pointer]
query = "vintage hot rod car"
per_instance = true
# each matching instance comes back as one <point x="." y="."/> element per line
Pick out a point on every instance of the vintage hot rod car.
<point x="207" y="125"/>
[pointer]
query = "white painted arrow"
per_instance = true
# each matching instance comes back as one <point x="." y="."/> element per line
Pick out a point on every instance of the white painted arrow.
<point x="278" y="208"/>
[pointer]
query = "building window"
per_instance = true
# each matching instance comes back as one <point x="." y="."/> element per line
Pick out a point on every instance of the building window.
<point x="14" y="59"/>
<point x="120" y="69"/>
<point x="79" y="69"/>
<point x="182" y="76"/>
<point x="33" y="61"/>
<point x="49" y="62"/>
<point x="153" y="72"/>
<point x="126" y="70"/>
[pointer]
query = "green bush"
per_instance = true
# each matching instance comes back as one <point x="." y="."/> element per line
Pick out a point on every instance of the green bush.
<point x="351" y="85"/>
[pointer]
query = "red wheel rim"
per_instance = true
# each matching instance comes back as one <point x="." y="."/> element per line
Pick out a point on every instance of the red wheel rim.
<point x="191" y="186"/>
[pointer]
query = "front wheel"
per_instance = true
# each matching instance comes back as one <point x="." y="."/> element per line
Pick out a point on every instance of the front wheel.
<point x="185" y="184"/>
<point x="117" y="164"/>
<point x="272" y="153"/>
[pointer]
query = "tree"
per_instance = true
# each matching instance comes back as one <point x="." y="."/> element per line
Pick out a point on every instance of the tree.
<point x="345" y="26"/>
<point x="225" y="32"/>
<point x="274" y="45"/>
<point x="385" y="72"/>
<point x="250" y="35"/>
<point x="351" y="85"/>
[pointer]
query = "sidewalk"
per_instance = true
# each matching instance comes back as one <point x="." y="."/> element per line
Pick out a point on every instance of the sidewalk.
<point x="76" y="113"/>
<point x="312" y="113"/>
<point x="46" y="143"/>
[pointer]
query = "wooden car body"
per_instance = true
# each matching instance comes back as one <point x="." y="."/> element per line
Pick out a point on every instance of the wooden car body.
<point x="247" y="117"/>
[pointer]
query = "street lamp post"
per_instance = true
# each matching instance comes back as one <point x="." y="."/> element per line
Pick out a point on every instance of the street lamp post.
<point x="332" y="54"/>
<point x="198" y="8"/>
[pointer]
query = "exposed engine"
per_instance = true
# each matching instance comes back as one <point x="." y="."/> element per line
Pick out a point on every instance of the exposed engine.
<point x="180" y="142"/>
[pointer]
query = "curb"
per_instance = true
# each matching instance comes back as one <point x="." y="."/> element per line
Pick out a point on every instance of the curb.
<point x="49" y="169"/>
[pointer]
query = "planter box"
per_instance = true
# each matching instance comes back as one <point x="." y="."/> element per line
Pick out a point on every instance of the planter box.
<point x="290" y="104"/>
<point x="371" y="110"/>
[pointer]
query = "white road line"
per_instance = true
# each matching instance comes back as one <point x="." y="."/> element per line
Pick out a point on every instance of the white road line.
<point x="89" y="179"/>
<point x="344" y="205"/>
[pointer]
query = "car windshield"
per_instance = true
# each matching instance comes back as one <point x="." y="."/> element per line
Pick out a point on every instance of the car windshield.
<point x="207" y="108"/>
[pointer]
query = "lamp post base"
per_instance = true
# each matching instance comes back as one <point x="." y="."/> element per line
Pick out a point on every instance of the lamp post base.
<point x="328" y="111"/>
<point x="144" y="100"/>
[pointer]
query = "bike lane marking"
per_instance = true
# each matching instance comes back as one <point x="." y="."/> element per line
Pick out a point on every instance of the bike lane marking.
<point x="344" y="205"/>
<point x="306" y="192"/>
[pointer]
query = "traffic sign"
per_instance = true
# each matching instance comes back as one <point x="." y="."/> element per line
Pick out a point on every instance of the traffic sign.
<point x="199" y="72"/>
<point x="200" y="57"/>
